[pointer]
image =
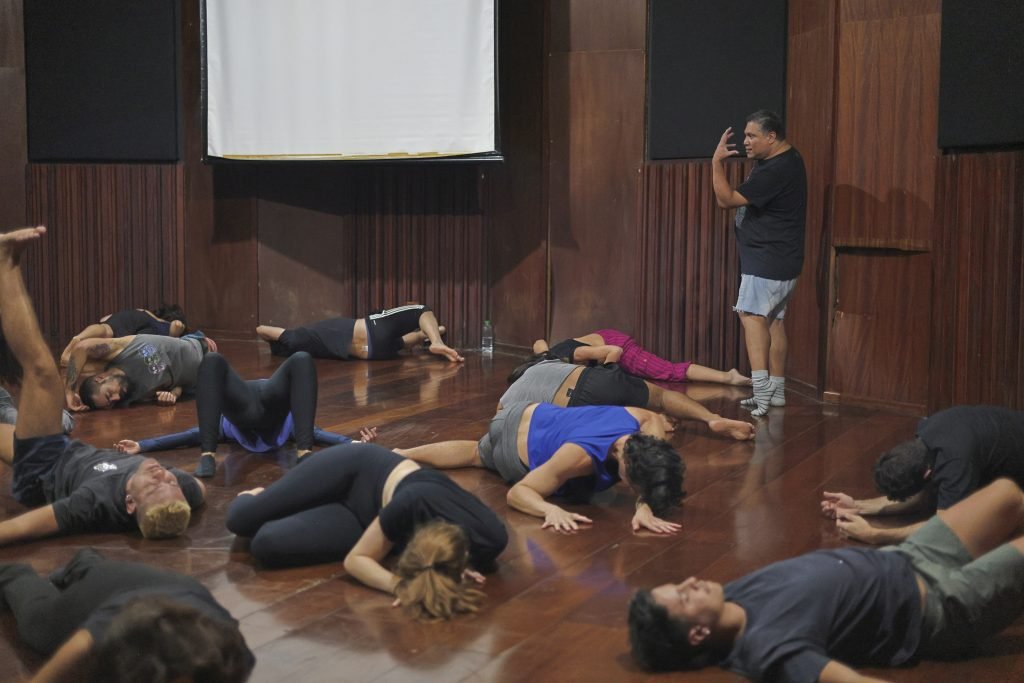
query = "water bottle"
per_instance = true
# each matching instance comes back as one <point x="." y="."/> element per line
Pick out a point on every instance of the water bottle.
<point x="487" y="339"/>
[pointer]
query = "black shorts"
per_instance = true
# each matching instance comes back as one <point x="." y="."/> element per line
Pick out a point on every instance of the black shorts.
<point x="34" y="461"/>
<point x="329" y="338"/>
<point x="384" y="330"/>
<point x="609" y="385"/>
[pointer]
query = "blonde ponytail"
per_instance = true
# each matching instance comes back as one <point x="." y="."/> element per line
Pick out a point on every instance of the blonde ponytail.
<point x="430" y="573"/>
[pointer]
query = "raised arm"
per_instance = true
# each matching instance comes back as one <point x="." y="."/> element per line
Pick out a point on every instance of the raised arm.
<point x="725" y="195"/>
<point x="528" y="495"/>
<point x="363" y="562"/>
<point x="33" y="524"/>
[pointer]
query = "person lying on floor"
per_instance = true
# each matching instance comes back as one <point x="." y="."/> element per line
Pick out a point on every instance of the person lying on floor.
<point x="109" y="373"/>
<point x="956" y="451"/>
<point x="74" y="487"/>
<point x="615" y="346"/>
<point x="260" y="414"/>
<point x="940" y="594"/>
<point x="168" y="321"/>
<point x="377" y="336"/>
<point x="360" y="503"/>
<point x="101" y="620"/>
<point x="545" y="378"/>
<point x="545" y="450"/>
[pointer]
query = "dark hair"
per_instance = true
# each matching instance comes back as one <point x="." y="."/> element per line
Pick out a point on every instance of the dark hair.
<point x="661" y="642"/>
<point x="769" y="121"/>
<point x="10" y="369"/>
<point x="170" y="312"/>
<point x="900" y="471"/>
<point x="86" y="391"/>
<point x="655" y="471"/>
<point x="158" y="640"/>
<point x="530" y="362"/>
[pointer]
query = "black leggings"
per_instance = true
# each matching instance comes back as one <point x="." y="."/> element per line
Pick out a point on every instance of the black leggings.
<point x="259" y="405"/>
<point x="49" y="612"/>
<point x="317" y="511"/>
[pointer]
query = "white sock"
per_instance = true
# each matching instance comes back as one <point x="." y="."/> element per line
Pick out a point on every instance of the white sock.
<point x="779" y="394"/>
<point x="763" y="390"/>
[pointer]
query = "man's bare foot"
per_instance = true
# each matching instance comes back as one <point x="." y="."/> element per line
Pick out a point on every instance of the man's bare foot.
<point x="737" y="429"/>
<point x="446" y="351"/>
<point x="14" y="242"/>
<point x="269" y="333"/>
<point x="736" y="379"/>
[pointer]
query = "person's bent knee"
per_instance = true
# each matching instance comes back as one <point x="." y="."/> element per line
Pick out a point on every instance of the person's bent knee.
<point x="265" y="549"/>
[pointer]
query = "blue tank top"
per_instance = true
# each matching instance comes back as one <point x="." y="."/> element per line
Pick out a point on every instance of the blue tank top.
<point x="592" y="428"/>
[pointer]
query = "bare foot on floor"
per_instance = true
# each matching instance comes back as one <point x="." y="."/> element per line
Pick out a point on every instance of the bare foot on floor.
<point x="736" y="379"/>
<point x="14" y="242"/>
<point x="446" y="351"/>
<point x="737" y="429"/>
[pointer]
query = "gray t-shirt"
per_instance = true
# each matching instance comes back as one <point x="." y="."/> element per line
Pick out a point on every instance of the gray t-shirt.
<point x="539" y="383"/>
<point x="155" y="363"/>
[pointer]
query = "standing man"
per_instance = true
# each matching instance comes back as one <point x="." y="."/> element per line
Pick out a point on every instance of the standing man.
<point x="771" y="212"/>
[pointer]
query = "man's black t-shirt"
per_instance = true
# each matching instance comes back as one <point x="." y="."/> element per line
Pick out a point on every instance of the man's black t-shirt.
<point x="973" y="445"/>
<point x="770" y="229"/>
<point x="854" y="605"/>
<point x="87" y="489"/>
<point x="426" y="495"/>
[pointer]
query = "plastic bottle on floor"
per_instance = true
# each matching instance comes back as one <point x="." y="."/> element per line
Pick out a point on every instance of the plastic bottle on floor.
<point x="487" y="339"/>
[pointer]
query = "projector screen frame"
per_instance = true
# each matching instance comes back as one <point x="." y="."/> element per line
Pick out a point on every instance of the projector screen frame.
<point x="485" y="157"/>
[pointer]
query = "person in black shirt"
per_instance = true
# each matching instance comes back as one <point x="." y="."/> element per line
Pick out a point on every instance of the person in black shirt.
<point x="940" y="594"/>
<point x="771" y="207"/>
<point x="956" y="451"/>
<point x="120" y="621"/>
<point x="87" y="489"/>
<point x="359" y="503"/>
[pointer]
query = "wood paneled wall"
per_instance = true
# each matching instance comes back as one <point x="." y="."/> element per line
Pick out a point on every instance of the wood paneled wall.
<point x="115" y="241"/>
<point x="595" y="112"/>
<point x="689" y="266"/>
<point x="13" y="126"/>
<point x="978" y="322"/>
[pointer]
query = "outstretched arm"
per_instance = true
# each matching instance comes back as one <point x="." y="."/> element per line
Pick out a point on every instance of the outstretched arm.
<point x="529" y="494"/>
<point x="363" y="562"/>
<point x="854" y="526"/>
<point x="33" y="524"/>
<point x="726" y="197"/>
<point x="834" y="503"/>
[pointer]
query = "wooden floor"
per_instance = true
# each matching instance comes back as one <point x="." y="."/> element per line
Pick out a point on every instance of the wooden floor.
<point x="556" y="607"/>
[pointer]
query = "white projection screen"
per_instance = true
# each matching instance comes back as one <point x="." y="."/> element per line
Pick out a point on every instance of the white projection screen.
<point x="349" y="79"/>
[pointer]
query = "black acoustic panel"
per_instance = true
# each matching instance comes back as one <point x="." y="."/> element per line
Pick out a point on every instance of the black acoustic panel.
<point x="710" y="64"/>
<point x="981" y="73"/>
<point x="102" y="80"/>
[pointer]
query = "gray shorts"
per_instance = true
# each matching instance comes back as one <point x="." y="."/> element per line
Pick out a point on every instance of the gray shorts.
<point x="762" y="296"/>
<point x="968" y="600"/>
<point x="498" y="448"/>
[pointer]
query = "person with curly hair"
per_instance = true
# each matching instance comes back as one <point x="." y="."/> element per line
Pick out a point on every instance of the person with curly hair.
<point x="956" y="451"/>
<point x="103" y="620"/>
<point x="939" y="595"/>
<point x="359" y="503"/>
<point x="72" y="486"/>
<point x="545" y="450"/>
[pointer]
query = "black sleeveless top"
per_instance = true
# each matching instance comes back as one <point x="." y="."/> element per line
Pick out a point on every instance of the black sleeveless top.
<point x="567" y="348"/>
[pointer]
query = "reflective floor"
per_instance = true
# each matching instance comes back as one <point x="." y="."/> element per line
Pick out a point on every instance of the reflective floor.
<point x="556" y="607"/>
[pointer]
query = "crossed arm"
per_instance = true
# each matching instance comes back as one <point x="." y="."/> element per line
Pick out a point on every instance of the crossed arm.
<point x="89" y="352"/>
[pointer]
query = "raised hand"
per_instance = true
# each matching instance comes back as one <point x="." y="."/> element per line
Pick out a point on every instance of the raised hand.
<point x="725" y="148"/>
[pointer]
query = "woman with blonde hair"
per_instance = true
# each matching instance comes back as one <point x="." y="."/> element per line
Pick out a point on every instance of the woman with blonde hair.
<point x="360" y="503"/>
